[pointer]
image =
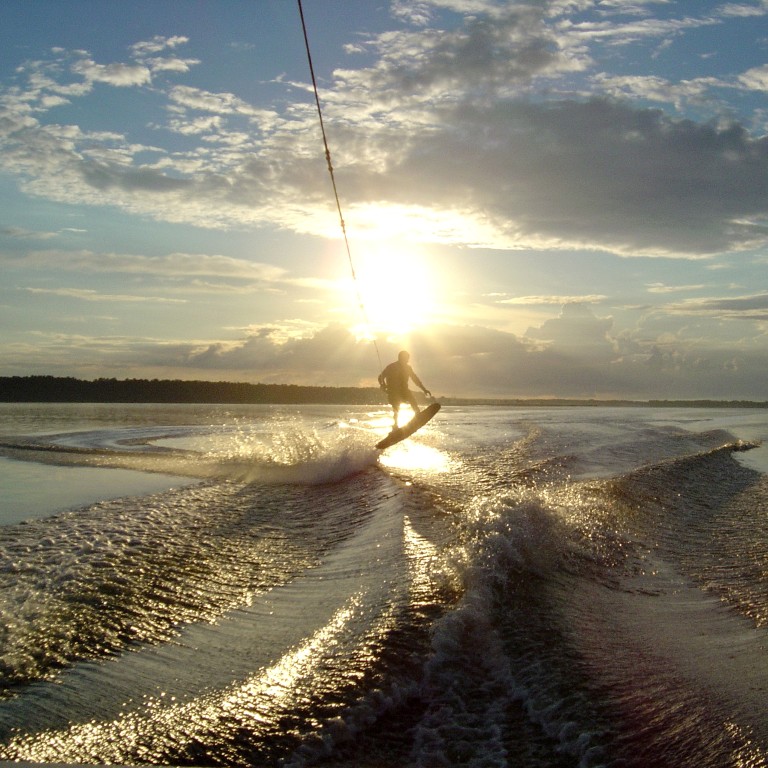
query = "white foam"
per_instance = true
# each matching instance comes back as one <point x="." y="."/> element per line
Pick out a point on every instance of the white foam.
<point x="332" y="467"/>
<point x="295" y="456"/>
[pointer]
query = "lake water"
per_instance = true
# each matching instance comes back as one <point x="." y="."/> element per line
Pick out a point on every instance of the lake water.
<point x="256" y="585"/>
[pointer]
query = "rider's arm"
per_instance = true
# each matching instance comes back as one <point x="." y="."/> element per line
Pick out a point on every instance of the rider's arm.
<point x="418" y="383"/>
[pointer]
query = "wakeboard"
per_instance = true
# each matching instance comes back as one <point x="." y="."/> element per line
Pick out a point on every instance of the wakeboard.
<point x="400" y="433"/>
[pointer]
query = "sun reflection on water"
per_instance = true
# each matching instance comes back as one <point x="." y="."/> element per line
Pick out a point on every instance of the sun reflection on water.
<point x="257" y="703"/>
<point x="417" y="457"/>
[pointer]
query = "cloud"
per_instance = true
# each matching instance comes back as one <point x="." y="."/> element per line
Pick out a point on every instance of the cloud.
<point x="558" y="300"/>
<point x="49" y="84"/>
<point x="85" y="294"/>
<point x="495" y="48"/>
<point x="753" y="307"/>
<point x="625" y="33"/>
<point x="171" y="265"/>
<point x="170" y="64"/>
<point x="577" y="332"/>
<point x="205" y="101"/>
<point x="200" y="125"/>
<point x="596" y="174"/>
<point x="330" y="356"/>
<point x="25" y="234"/>
<point x="157" y="44"/>
<point x="755" y="79"/>
<point x="117" y="74"/>
<point x="742" y="10"/>
<point x="573" y="355"/>
<point x="653" y="88"/>
<point x="580" y="359"/>
<point x="663" y="288"/>
<point x="441" y="128"/>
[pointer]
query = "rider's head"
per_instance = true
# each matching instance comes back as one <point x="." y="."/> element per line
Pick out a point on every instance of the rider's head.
<point x="403" y="357"/>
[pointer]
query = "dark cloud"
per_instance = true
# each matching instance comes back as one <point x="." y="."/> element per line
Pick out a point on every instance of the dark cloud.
<point x="745" y="307"/>
<point x="573" y="355"/>
<point x="460" y="361"/>
<point x="332" y="356"/>
<point x="486" y="52"/>
<point x="103" y="177"/>
<point x="577" y="333"/>
<point x="449" y="123"/>
<point x="598" y="174"/>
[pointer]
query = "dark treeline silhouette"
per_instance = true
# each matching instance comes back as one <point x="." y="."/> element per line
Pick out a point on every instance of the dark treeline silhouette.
<point x="54" y="389"/>
<point x="65" y="389"/>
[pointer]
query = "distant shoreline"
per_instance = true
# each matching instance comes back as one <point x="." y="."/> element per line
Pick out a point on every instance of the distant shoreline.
<point x="64" y="389"/>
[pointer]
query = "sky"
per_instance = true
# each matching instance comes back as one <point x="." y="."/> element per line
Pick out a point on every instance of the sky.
<point x="552" y="198"/>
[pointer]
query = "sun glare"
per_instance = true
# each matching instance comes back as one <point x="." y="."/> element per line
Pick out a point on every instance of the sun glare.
<point x="396" y="286"/>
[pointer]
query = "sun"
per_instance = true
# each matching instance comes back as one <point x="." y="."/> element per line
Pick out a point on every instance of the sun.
<point x="395" y="286"/>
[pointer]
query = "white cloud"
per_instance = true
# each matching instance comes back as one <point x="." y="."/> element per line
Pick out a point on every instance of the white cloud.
<point x="743" y="10"/>
<point x="662" y="288"/>
<point x="205" y="101"/>
<point x="25" y="234"/>
<point x="557" y="300"/>
<point x="157" y="43"/>
<point x="85" y="294"/>
<point x="615" y="34"/>
<point x="170" y="265"/>
<point x="627" y="7"/>
<point x="198" y="125"/>
<point x="117" y="74"/>
<point x="170" y="64"/>
<point x="659" y="89"/>
<point x="755" y="79"/>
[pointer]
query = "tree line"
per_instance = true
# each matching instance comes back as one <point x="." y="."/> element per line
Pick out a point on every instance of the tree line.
<point x="65" y="389"/>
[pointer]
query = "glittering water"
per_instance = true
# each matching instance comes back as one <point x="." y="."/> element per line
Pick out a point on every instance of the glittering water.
<point x="258" y="586"/>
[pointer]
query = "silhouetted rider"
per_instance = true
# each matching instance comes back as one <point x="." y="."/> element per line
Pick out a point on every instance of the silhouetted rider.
<point x="394" y="381"/>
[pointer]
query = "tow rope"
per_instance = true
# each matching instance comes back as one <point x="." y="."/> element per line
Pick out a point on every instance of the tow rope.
<point x="333" y="183"/>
